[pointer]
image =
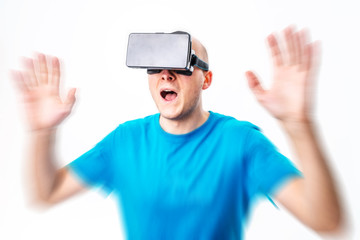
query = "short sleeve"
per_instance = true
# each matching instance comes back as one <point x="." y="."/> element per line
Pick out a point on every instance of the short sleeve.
<point x="267" y="168"/>
<point x="94" y="167"/>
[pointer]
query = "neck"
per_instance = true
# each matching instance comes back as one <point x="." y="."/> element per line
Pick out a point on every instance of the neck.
<point x="184" y="125"/>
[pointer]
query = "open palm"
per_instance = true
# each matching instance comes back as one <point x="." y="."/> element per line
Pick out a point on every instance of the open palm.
<point x="289" y="98"/>
<point x="40" y="91"/>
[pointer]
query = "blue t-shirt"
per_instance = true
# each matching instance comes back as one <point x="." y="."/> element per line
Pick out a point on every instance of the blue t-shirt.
<point x="198" y="185"/>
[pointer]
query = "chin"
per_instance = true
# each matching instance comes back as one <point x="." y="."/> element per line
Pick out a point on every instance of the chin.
<point x="169" y="112"/>
<point x="170" y="115"/>
<point x="175" y="115"/>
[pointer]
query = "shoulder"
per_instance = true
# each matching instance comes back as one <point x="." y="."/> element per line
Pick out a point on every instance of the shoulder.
<point x="129" y="131"/>
<point x="233" y="130"/>
<point x="232" y="124"/>
<point x="138" y="123"/>
<point x="135" y="128"/>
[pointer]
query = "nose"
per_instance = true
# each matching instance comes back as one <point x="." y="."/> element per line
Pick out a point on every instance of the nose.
<point x="167" y="75"/>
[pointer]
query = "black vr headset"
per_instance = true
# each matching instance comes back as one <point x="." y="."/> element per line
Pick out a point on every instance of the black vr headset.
<point x="158" y="51"/>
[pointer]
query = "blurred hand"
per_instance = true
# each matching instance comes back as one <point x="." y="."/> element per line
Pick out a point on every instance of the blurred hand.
<point x="38" y="83"/>
<point x="289" y="98"/>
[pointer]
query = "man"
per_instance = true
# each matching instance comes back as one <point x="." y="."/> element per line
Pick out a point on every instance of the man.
<point x="187" y="173"/>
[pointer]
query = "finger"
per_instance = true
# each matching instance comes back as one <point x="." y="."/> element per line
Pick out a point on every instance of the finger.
<point x="70" y="98"/>
<point x="43" y="70"/>
<point x="312" y="52"/>
<point x="19" y="81"/>
<point x="303" y="38"/>
<point x="290" y="45"/>
<point x="254" y="85"/>
<point x="55" y="74"/>
<point x="307" y="61"/>
<point x="29" y="75"/>
<point x="301" y="41"/>
<point x="275" y="50"/>
<point x="298" y="48"/>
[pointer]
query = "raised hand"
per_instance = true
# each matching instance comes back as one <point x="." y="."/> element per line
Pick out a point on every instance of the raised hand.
<point x="289" y="98"/>
<point x="38" y="83"/>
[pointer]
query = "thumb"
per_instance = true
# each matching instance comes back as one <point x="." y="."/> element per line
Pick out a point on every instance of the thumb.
<point x="70" y="99"/>
<point x="254" y="84"/>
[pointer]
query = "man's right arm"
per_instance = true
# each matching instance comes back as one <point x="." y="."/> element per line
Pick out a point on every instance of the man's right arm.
<point x="51" y="183"/>
<point x="38" y="83"/>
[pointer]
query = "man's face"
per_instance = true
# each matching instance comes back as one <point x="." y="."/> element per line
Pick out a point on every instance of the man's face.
<point x="177" y="96"/>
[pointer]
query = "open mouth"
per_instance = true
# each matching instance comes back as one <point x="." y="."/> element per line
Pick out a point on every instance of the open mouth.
<point x="168" y="95"/>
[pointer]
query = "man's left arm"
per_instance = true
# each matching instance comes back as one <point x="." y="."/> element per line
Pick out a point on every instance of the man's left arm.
<point x="313" y="199"/>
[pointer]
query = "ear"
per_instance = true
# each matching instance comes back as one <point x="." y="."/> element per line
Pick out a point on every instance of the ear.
<point x="207" y="81"/>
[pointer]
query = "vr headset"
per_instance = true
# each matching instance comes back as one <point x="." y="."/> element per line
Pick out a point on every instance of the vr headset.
<point x="158" y="51"/>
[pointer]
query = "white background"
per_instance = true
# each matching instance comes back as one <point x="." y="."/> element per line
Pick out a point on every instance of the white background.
<point x="90" y="37"/>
